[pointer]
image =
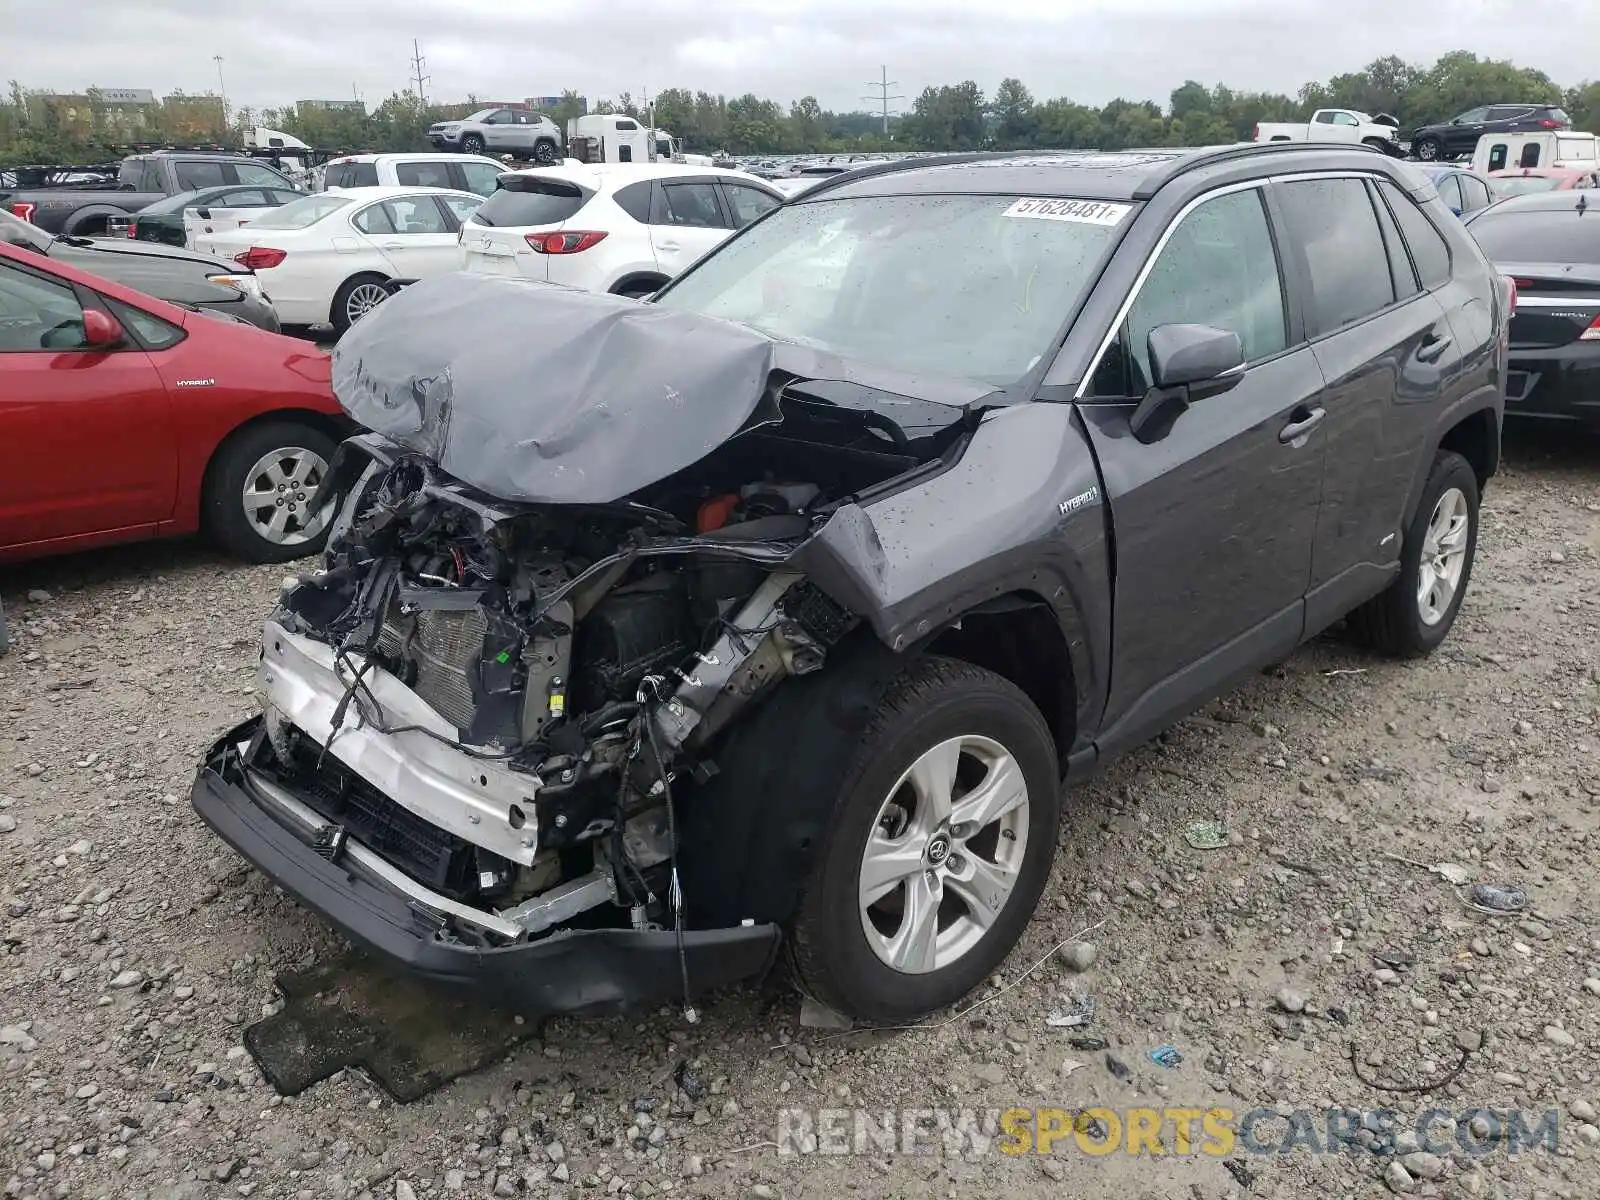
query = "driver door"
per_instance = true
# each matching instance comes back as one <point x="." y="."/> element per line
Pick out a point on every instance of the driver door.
<point x="1463" y="133"/>
<point x="85" y="434"/>
<point x="1216" y="519"/>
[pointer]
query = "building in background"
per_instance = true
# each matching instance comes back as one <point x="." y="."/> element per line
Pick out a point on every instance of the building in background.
<point x="547" y="103"/>
<point x="355" y="106"/>
<point x="117" y="112"/>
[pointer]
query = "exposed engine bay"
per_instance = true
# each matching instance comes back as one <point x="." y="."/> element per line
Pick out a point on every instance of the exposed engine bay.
<point x="501" y="699"/>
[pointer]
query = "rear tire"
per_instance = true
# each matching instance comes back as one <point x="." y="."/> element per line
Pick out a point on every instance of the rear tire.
<point x="354" y="299"/>
<point x="281" y="463"/>
<point x="1415" y="613"/>
<point x="941" y="721"/>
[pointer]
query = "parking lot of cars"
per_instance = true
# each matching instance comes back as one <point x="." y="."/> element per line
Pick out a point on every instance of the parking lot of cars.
<point x="851" y="517"/>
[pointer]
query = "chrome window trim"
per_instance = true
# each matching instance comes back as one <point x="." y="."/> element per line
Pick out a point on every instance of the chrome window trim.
<point x="1166" y="236"/>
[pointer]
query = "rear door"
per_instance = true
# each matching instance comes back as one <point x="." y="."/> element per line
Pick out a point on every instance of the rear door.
<point x="415" y="234"/>
<point x="1215" y="520"/>
<point x="1388" y="354"/>
<point x="687" y="221"/>
<point x="86" y="443"/>
<point x="744" y="203"/>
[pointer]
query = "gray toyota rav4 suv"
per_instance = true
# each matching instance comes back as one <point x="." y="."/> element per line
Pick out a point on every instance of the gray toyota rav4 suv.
<point x="774" y="617"/>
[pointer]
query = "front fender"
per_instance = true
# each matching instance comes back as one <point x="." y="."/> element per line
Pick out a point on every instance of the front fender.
<point x="1020" y="512"/>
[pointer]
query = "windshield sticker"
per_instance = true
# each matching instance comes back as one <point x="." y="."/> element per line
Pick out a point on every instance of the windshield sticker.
<point x="1087" y="212"/>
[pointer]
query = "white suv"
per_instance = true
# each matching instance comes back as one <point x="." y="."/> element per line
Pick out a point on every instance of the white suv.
<point x="456" y="172"/>
<point x="625" y="228"/>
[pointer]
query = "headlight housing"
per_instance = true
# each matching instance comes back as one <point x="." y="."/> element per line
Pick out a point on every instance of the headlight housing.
<point x="242" y="282"/>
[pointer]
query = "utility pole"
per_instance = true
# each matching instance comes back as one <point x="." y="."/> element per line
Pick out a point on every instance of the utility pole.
<point x="217" y="58"/>
<point x="417" y="77"/>
<point x="883" y="97"/>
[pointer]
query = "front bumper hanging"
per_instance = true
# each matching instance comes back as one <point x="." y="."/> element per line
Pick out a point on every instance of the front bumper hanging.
<point x="375" y="906"/>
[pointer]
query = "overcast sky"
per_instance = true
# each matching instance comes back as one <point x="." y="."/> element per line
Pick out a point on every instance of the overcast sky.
<point x="1091" y="50"/>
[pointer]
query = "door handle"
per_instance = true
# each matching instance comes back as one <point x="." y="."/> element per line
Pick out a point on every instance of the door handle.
<point x="394" y="245"/>
<point x="1433" y="346"/>
<point x="1295" y="430"/>
<point x="670" y="246"/>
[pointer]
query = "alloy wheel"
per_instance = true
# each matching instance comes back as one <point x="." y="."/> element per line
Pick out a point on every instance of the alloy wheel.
<point x="1444" y="556"/>
<point x="363" y="298"/>
<point x="278" y="492"/>
<point x="944" y="854"/>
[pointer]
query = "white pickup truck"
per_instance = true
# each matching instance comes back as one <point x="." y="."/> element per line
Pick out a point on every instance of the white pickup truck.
<point x="1344" y="125"/>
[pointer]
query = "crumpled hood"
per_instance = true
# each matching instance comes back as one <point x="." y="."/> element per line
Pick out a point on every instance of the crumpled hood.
<point x="538" y="393"/>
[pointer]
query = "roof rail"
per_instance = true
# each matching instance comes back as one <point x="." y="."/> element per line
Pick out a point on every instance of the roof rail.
<point x="1206" y="156"/>
<point x="872" y="170"/>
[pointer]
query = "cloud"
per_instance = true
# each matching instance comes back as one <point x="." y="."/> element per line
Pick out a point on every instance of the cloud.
<point x="1090" y="50"/>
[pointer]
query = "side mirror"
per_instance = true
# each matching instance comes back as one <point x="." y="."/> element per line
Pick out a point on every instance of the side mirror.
<point x="100" y="330"/>
<point x="1187" y="363"/>
<point x="1182" y="355"/>
<point x="203" y="213"/>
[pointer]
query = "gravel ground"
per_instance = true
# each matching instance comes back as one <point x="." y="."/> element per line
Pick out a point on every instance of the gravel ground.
<point x="135" y="947"/>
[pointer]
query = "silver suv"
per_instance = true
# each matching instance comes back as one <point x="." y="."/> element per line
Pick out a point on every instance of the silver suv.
<point x="500" y="131"/>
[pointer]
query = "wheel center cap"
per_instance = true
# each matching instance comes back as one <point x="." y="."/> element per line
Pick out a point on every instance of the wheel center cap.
<point x="938" y="850"/>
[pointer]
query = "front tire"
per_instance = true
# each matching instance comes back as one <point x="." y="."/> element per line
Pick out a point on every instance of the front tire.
<point x="545" y="153"/>
<point x="473" y="143"/>
<point x="942" y="837"/>
<point x="1415" y="613"/>
<point x="1429" y="149"/>
<point x="258" y="492"/>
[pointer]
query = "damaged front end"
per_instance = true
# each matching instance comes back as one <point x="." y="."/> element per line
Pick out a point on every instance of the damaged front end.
<point x="521" y="649"/>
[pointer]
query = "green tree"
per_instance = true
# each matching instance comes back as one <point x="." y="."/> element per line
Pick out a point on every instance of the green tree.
<point x="1016" y="123"/>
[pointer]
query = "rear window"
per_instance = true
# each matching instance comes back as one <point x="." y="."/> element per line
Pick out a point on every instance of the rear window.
<point x="299" y="213"/>
<point x="350" y="174"/>
<point x="173" y="204"/>
<point x="1559" y="114"/>
<point x="193" y="175"/>
<point x="531" y="200"/>
<point x="1507" y="235"/>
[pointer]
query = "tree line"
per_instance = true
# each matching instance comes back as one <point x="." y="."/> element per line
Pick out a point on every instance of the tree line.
<point x="949" y="117"/>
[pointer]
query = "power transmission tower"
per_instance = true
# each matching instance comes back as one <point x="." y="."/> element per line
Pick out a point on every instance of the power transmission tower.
<point x="417" y="77"/>
<point x="883" y="97"/>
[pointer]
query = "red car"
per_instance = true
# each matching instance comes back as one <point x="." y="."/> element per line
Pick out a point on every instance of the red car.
<point x="125" y="417"/>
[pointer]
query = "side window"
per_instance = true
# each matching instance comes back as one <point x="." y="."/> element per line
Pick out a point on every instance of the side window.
<point x="522" y="118"/>
<point x="1332" y="219"/>
<point x="1218" y="268"/>
<point x="374" y="220"/>
<point x="747" y="203"/>
<point x="192" y="176"/>
<point x="248" y="172"/>
<point x="1476" y="192"/>
<point x="1400" y="270"/>
<point x="419" y="214"/>
<point x="635" y="200"/>
<point x="461" y="207"/>
<point x="1529" y="156"/>
<point x="691" y="204"/>
<point x="155" y="333"/>
<point x="499" y="116"/>
<point x="1473" y="116"/>
<point x="422" y="174"/>
<point x="480" y="177"/>
<point x="1498" y="153"/>
<point x="37" y="314"/>
<point x="136" y="174"/>
<point x="1344" y="119"/>
<point x="247" y="198"/>
<point x="275" y="196"/>
<point x="1429" y="250"/>
<point x="1448" y="186"/>
<point x="1325" y="118"/>
<point x="624" y="153"/>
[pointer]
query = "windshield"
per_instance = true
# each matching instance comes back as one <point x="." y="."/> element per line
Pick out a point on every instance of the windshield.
<point x="1521" y="185"/>
<point x="973" y="287"/>
<point x="297" y="214"/>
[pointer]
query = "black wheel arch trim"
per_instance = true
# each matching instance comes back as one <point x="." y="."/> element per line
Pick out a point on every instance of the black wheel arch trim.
<point x="1482" y="405"/>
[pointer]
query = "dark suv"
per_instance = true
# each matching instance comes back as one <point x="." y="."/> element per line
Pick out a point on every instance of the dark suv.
<point x="1459" y="135"/>
<point x="777" y="613"/>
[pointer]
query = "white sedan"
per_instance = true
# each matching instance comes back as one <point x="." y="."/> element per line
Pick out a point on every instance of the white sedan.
<point x="324" y="259"/>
